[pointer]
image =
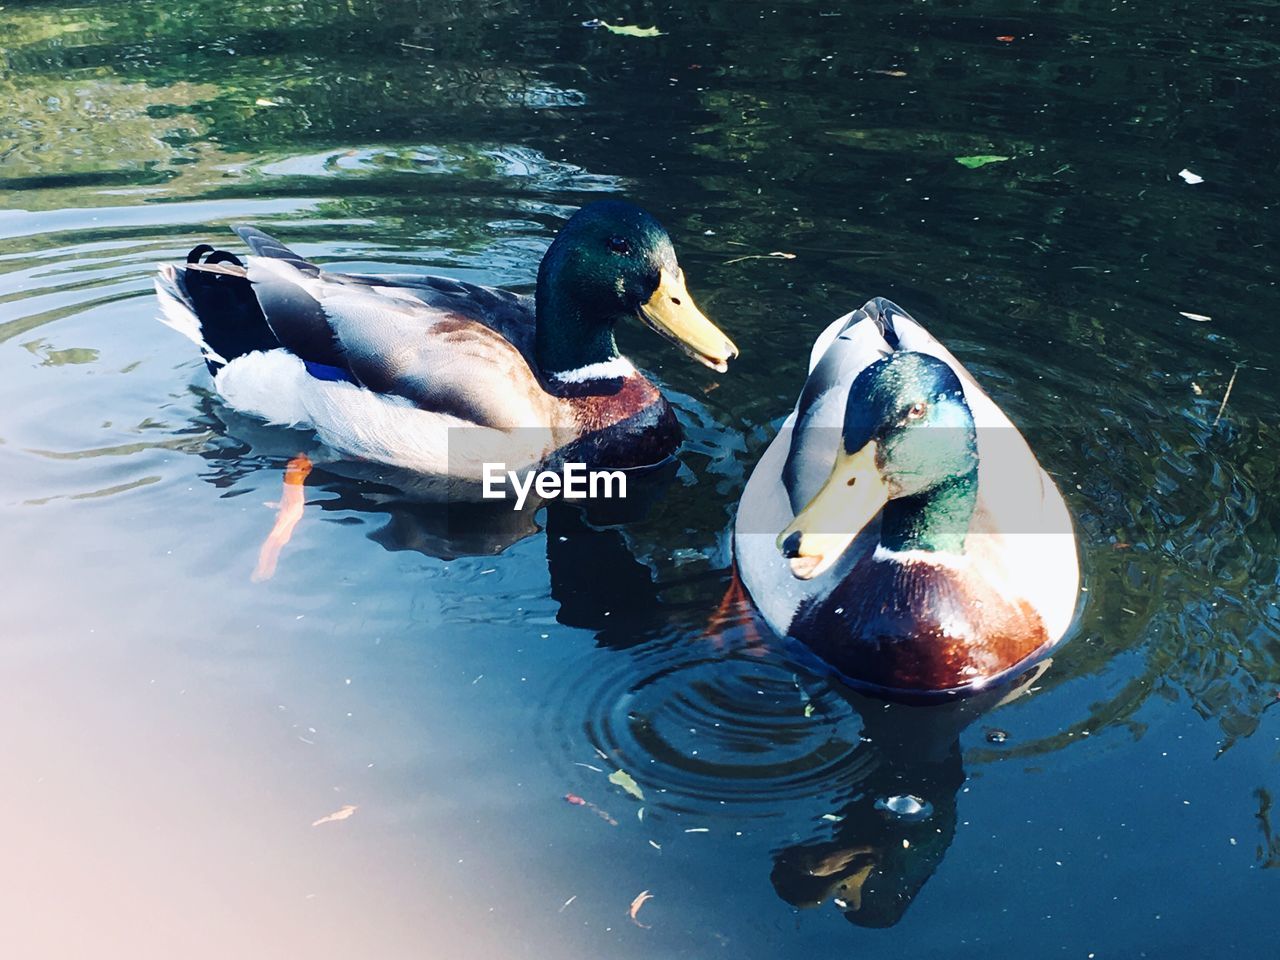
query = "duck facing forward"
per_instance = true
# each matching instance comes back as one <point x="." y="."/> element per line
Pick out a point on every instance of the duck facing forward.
<point x="439" y="376"/>
<point x="899" y="526"/>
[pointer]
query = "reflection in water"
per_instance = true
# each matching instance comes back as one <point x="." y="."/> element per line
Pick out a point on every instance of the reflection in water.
<point x="892" y="832"/>
<point x="454" y="137"/>
<point x="580" y="543"/>
<point x="1269" y="848"/>
<point x="595" y="577"/>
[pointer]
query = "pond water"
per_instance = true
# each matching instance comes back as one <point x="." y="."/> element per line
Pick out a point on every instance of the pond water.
<point x="173" y="729"/>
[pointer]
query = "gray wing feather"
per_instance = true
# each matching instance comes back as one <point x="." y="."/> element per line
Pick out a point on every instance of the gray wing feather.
<point x="815" y="435"/>
<point x="265" y="245"/>
<point x="508" y="313"/>
<point x="440" y="362"/>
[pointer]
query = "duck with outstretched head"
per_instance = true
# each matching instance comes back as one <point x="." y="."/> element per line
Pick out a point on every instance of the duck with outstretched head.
<point x="439" y="376"/>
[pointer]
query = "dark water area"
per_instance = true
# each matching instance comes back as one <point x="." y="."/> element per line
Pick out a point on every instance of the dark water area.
<point x="172" y="729"/>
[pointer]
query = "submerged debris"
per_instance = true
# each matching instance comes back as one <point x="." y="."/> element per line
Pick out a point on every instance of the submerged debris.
<point x="1227" y="396"/>
<point x="342" y="814"/>
<point x="636" y="904"/>
<point x="578" y="801"/>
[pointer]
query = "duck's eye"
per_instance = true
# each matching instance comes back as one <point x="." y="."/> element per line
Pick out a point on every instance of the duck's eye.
<point x="618" y="245"/>
<point x="917" y="410"/>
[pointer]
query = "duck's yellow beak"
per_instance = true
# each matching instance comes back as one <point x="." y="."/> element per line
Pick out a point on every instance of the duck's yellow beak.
<point x="849" y="500"/>
<point x="672" y="312"/>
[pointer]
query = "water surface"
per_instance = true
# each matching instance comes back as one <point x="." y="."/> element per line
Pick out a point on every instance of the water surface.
<point x="173" y="730"/>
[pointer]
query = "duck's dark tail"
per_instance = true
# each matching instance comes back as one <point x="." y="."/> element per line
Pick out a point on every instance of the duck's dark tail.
<point x="211" y="301"/>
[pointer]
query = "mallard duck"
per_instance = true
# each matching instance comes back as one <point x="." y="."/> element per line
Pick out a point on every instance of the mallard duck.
<point x="899" y="527"/>
<point x="439" y="376"/>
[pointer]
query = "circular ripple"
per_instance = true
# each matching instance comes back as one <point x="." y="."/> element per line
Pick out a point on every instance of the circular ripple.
<point x="698" y="727"/>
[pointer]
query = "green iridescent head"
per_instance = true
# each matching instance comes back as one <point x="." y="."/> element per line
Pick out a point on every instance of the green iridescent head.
<point x="611" y="261"/>
<point x="909" y="449"/>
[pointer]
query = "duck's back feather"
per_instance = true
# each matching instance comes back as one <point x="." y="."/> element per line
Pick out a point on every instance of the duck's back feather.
<point x="442" y="345"/>
<point x="265" y="245"/>
<point x="509" y="314"/>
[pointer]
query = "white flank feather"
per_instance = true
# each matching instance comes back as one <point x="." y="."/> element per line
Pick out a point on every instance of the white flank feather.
<point x="177" y="315"/>
<point x="270" y="384"/>
<point x="276" y="386"/>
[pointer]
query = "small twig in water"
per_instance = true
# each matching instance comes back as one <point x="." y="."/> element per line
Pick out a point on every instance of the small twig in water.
<point x="1041" y="247"/>
<point x="1226" y="396"/>
<point x="775" y="255"/>
<point x="636" y="904"/>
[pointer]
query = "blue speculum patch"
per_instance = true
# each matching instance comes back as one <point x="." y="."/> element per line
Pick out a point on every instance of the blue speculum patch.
<point x="323" y="371"/>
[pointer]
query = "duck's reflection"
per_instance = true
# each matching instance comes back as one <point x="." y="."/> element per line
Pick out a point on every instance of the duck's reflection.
<point x="595" y="574"/>
<point x="581" y="532"/>
<point x="890" y="836"/>
<point x="601" y="575"/>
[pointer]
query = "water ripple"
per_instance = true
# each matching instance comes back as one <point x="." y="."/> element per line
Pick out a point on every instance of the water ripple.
<point x="698" y="728"/>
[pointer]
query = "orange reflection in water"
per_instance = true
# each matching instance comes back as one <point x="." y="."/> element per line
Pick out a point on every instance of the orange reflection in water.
<point x="288" y="513"/>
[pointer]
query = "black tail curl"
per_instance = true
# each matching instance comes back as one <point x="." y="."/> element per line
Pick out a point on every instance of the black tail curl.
<point x="214" y="255"/>
<point x="231" y="320"/>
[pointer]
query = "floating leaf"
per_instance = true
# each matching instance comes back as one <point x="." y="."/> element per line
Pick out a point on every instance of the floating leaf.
<point x="624" y="30"/>
<point x="808" y="709"/>
<point x="58" y="358"/>
<point x="636" y="904"/>
<point x="1190" y="177"/>
<point x="630" y="30"/>
<point x="342" y="814"/>
<point x="627" y="782"/>
<point x="980" y="160"/>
